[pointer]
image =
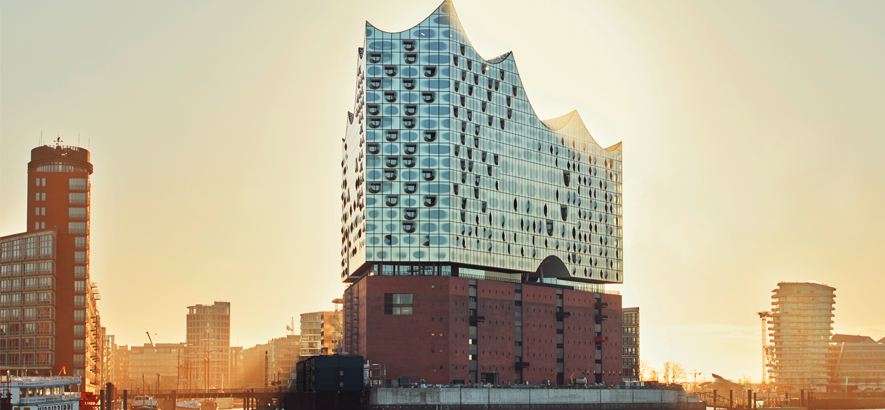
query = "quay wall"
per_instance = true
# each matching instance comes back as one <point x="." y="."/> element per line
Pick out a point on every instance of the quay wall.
<point x="455" y="398"/>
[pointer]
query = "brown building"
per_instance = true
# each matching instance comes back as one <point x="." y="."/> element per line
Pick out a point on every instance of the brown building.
<point x="281" y="355"/>
<point x="208" y="339"/>
<point x="48" y="296"/>
<point x="158" y="363"/>
<point x="321" y="333"/>
<point x="458" y="330"/>
<point x="122" y="357"/>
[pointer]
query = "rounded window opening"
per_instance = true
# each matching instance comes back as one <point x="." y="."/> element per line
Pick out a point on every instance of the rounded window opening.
<point x="429" y="200"/>
<point x="429" y="71"/>
<point x="409" y="84"/>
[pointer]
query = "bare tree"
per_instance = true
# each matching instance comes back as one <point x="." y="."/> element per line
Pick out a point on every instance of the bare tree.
<point x="672" y="373"/>
<point x="645" y="371"/>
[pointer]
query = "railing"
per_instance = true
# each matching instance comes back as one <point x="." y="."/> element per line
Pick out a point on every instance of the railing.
<point x="49" y="398"/>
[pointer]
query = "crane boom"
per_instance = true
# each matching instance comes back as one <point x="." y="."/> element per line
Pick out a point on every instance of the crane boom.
<point x="149" y="338"/>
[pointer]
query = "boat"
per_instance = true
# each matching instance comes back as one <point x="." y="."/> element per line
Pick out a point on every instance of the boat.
<point x="208" y="405"/>
<point x="43" y="393"/>
<point x="143" y="402"/>
<point x="188" y="405"/>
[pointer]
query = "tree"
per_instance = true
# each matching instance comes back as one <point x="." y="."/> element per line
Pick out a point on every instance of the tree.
<point x="672" y="373"/>
<point x="646" y="372"/>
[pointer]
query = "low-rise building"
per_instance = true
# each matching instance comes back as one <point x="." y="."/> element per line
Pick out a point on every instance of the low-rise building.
<point x="857" y="363"/>
<point x="321" y="333"/>
<point x="157" y="364"/>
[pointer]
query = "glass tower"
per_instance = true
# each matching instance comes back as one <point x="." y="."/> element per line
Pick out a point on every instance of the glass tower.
<point x="447" y="170"/>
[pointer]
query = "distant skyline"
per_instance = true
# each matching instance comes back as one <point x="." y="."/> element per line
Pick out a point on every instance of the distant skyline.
<point x="752" y="132"/>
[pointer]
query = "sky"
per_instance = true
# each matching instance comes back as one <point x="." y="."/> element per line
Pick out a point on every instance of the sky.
<point x="753" y="150"/>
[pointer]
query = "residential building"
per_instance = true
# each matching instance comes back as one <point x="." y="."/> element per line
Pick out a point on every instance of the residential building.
<point x="321" y="333"/>
<point x="630" y="318"/>
<point x="154" y="364"/>
<point x="208" y="341"/>
<point x="801" y="325"/>
<point x="46" y="292"/>
<point x="477" y="239"/>
<point x="857" y="363"/>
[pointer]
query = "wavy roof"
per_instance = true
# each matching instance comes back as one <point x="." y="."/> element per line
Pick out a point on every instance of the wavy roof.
<point x="569" y="125"/>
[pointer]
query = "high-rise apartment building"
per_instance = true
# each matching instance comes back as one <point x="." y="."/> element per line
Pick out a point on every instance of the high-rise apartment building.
<point x="50" y="319"/>
<point x="800" y="327"/>
<point x="630" y="318"/>
<point x="208" y="339"/>
<point x="321" y="333"/>
<point x="476" y="238"/>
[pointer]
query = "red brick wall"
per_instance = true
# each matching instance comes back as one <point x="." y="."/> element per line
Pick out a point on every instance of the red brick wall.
<point x="578" y="335"/>
<point x="56" y="205"/>
<point x="612" y="349"/>
<point x="495" y="344"/>
<point x="432" y="343"/>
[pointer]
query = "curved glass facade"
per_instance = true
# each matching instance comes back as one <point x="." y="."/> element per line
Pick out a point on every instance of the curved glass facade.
<point x="446" y="162"/>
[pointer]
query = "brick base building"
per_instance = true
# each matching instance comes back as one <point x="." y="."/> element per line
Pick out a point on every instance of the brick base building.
<point x="458" y="330"/>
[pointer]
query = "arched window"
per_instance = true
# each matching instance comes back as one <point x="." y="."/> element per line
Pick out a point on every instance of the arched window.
<point x="373" y="109"/>
<point x="409" y="84"/>
<point x="429" y="135"/>
<point x="391" y="200"/>
<point x="390" y="70"/>
<point x="391" y="135"/>
<point x="409" y="45"/>
<point x="410" y="110"/>
<point x="410" y="187"/>
<point x="410" y="58"/>
<point x="428" y="174"/>
<point x="427" y="96"/>
<point x="374" y="122"/>
<point x="373" y="148"/>
<point x="429" y="71"/>
<point x="375" y="187"/>
<point x="429" y="200"/>
<point x="410" y="149"/>
<point x="391" y="161"/>
<point x="409" y="162"/>
<point x="408" y="122"/>
<point x="390" y="96"/>
<point x="375" y="83"/>
<point x="375" y="58"/>
<point x="390" y="174"/>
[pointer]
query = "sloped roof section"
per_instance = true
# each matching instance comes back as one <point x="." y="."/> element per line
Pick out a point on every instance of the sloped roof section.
<point x="572" y="126"/>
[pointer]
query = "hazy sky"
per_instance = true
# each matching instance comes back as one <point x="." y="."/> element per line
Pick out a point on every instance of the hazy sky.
<point x="753" y="149"/>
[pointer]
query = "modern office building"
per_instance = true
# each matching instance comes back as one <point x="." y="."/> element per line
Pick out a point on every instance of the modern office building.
<point x="208" y="342"/>
<point x="158" y="364"/>
<point x="857" y="363"/>
<point x="476" y="238"/>
<point x="50" y="319"/>
<point x="630" y="318"/>
<point x="321" y="333"/>
<point x="801" y="324"/>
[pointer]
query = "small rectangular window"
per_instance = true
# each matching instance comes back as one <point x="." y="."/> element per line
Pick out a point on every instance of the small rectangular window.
<point x="43" y="211"/>
<point x="38" y="181"/>
<point x="398" y="303"/>
<point x="42" y="225"/>
<point x="38" y="196"/>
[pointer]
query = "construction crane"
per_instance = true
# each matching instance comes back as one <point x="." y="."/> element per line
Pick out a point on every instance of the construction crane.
<point x="766" y="348"/>
<point x="149" y="338"/>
